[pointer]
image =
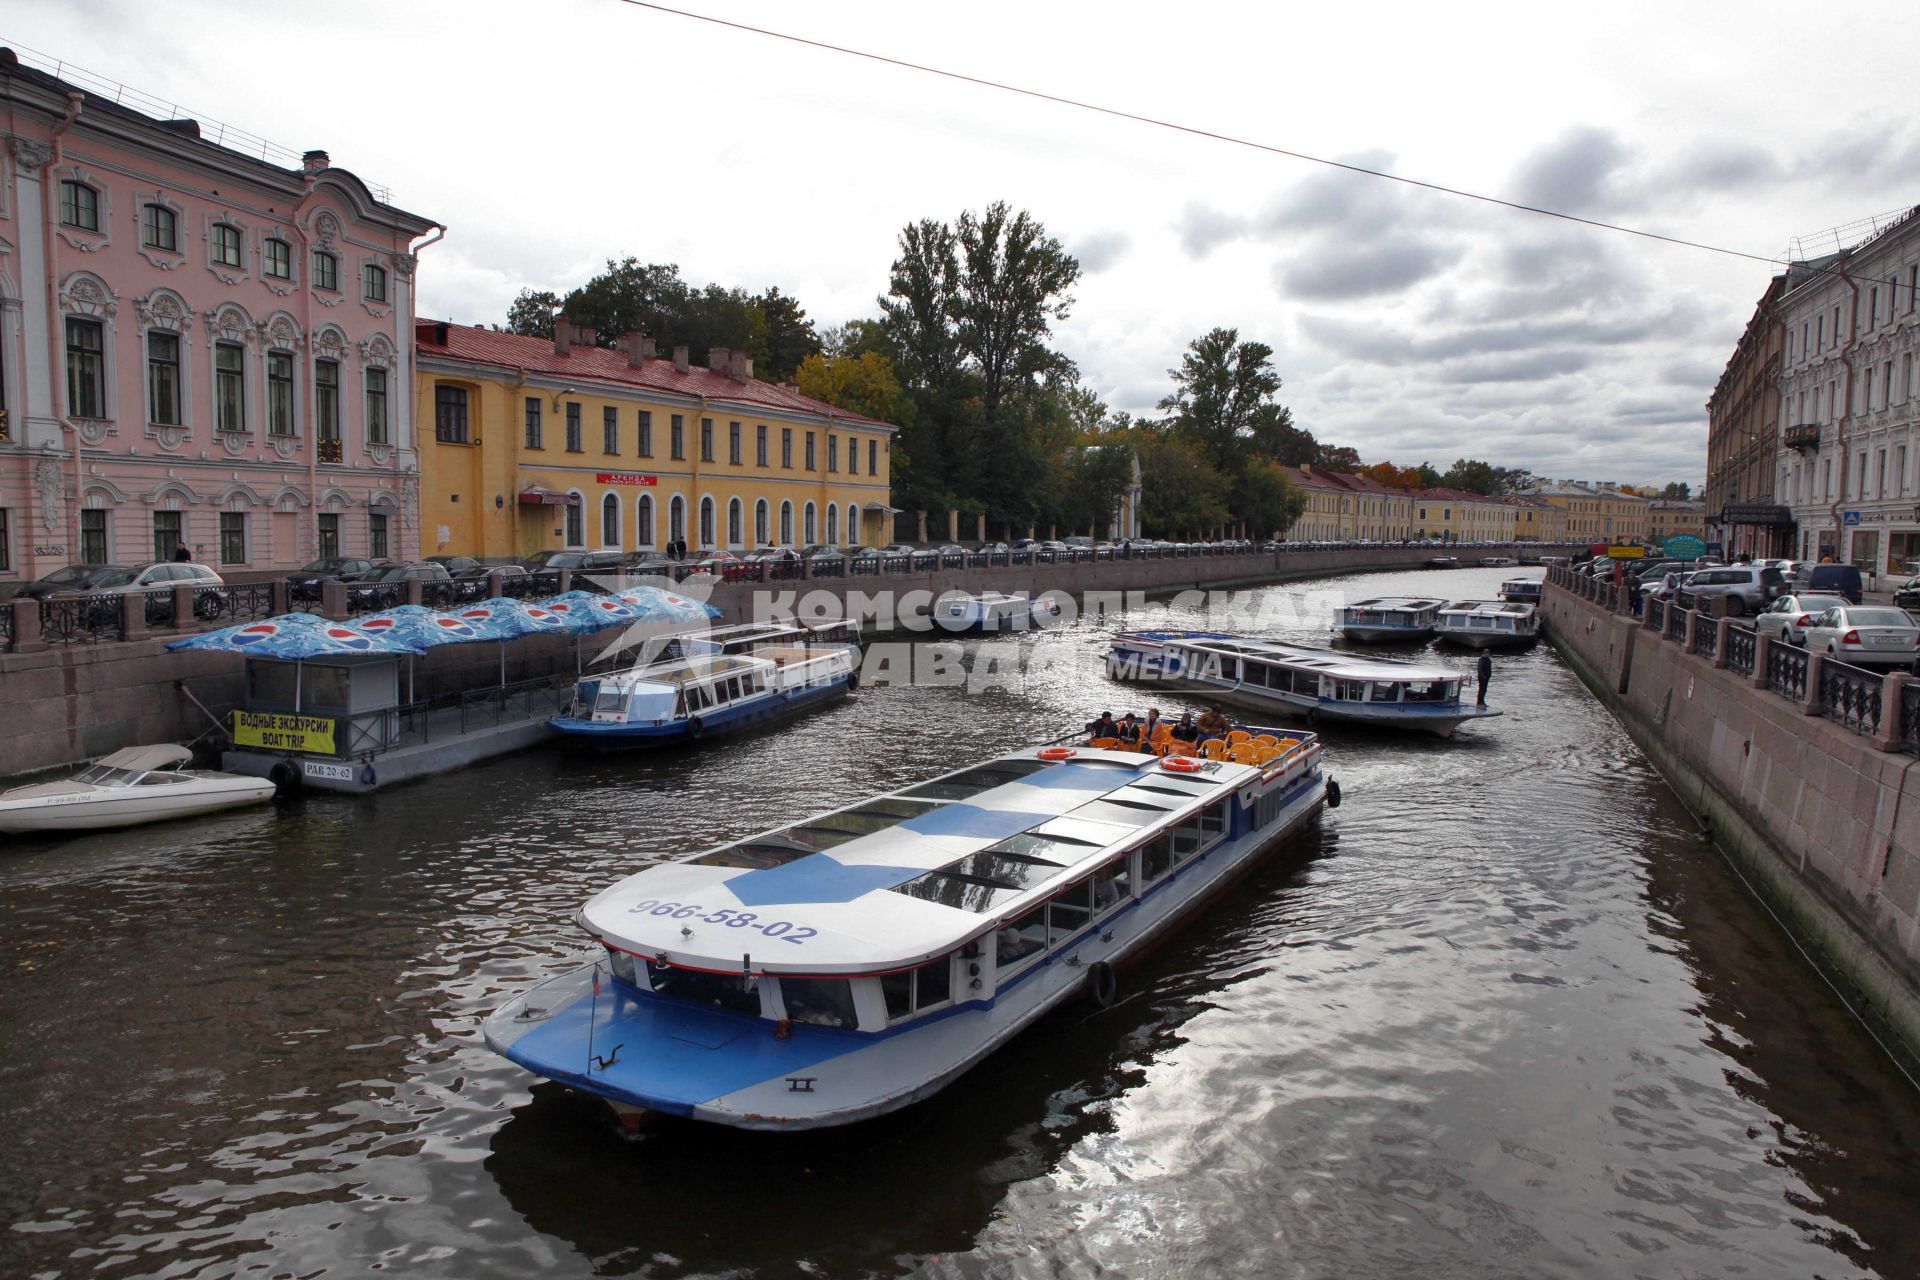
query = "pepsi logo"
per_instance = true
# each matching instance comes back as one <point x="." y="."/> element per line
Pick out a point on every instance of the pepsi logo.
<point x="256" y="633"/>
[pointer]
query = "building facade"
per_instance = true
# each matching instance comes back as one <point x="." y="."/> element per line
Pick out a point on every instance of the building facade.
<point x="1537" y="520"/>
<point x="1670" y="517"/>
<point x="1849" y="463"/>
<point x="1743" y="439"/>
<point x="1454" y="515"/>
<point x="1598" y="513"/>
<point x="539" y="445"/>
<point x="198" y="349"/>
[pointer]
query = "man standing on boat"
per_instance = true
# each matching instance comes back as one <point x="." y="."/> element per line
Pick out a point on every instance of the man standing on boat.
<point x="1485" y="668"/>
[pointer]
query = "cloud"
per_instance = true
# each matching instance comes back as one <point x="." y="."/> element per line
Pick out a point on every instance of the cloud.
<point x="1203" y="228"/>
<point x="1362" y="269"/>
<point x="1520" y="366"/>
<point x="1100" y="249"/>
<point x="1574" y="173"/>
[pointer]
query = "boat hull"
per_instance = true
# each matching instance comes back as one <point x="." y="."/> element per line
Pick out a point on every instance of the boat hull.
<point x="1481" y="640"/>
<point x="103" y="812"/>
<point x="1383" y="635"/>
<point x="730" y="721"/>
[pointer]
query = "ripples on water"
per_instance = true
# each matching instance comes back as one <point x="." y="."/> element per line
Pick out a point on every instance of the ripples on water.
<point x="1503" y="1013"/>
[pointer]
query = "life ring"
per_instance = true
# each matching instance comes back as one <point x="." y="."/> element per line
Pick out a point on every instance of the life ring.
<point x="1101" y="984"/>
<point x="1058" y="753"/>
<point x="694" y="727"/>
<point x="1181" y="764"/>
<point x="286" y="778"/>
<point x="1333" y="794"/>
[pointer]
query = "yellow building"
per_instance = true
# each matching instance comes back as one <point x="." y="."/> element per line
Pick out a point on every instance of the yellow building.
<point x="1537" y="520"/>
<point x="1667" y="517"/>
<point x="1600" y="513"/>
<point x="545" y="445"/>
<point x="1459" y="516"/>
<point x="1343" y="506"/>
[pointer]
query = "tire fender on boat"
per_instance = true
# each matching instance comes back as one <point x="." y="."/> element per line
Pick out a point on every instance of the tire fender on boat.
<point x="695" y="727"/>
<point x="853" y="678"/>
<point x="1333" y="793"/>
<point x="286" y="778"/>
<point x="1102" y="987"/>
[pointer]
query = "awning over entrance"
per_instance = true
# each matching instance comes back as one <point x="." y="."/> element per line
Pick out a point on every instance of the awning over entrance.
<point x="535" y="496"/>
<point x="1756" y="513"/>
<point x="883" y="508"/>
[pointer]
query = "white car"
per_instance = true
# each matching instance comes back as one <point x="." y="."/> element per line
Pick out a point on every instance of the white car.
<point x="1865" y="634"/>
<point x="1787" y="618"/>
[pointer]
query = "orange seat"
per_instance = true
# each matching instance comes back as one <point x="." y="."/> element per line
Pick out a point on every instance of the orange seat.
<point x="1104" y="744"/>
<point x="1267" y="740"/>
<point x="1237" y="736"/>
<point x="1244" y="753"/>
<point x="1215" y="749"/>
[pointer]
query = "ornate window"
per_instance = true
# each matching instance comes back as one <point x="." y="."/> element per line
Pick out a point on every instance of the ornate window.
<point x="233" y="537"/>
<point x="377" y="535"/>
<point x="376" y="406"/>
<point x="853" y="525"/>
<point x="677" y="519"/>
<point x="643" y="521"/>
<point x="163" y="378"/>
<point x="733" y="522"/>
<point x="86" y="368"/>
<point x="276" y="257"/>
<point x="229" y="386"/>
<point x="280" y="393"/>
<point x="223" y="244"/>
<point x="93" y="536"/>
<point x="326" y="401"/>
<point x="786" y="522"/>
<point x="79" y="206"/>
<point x="326" y="271"/>
<point x="706" y="522"/>
<point x="833" y="523"/>
<point x="807" y="524"/>
<point x="760" y="523"/>
<point x="159" y="228"/>
<point x="373" y="282"/>
<point x="329" y="530"/>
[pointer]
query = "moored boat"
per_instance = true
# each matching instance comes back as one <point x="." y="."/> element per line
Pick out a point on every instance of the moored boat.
<point x="131" y="787"/>
<point x="1490" y="624"/>
<point x="726" y="681"/>
<point x="1521" y="590"/>
<point x="861" y="960"/>
<point x="1297" y="680"/>
<point x="1387" y="618"/>
<point x="1443" y="562"/>
<point x="991" y="611"/>
<point x="1497" y="562"/>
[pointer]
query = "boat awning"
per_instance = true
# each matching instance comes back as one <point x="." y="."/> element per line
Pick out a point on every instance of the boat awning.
<point x="883" y="508"/>
<point x="164" y="756"/>
<point x="535" y="496"/>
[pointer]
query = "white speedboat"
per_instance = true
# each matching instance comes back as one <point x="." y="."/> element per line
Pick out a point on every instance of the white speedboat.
<point x="1443" y="562"/>
<point x="1388" y="618"/>
<point x="991" y="611"/>
<point x="861" y="960"/>
<point x="130" y="787"/>
<point x="1497" y="562"/>
<point x="1295" y="679"/>
<point x="1490" y="624"/>
<point x="1521" y="590"/>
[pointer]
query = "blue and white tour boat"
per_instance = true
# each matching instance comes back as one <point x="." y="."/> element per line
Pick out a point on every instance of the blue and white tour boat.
<point x="728" y="680"/>
<point x="861" y="960"/>
<point x="1388" y="618"/>
<point x="1312" y="684"/>
<point x="1490" y="624"/>
<point x="991" y="611"/>
<point x="1521" y="590"/>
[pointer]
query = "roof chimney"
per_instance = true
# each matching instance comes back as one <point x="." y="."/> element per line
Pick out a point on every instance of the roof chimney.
<point x="740" y="367"/>
<point x="562" y="335"/>
<point x="311" y="162"/>
<point x="717" y="359"/>
<point x="680" y="357"/>
<point x="585" y="335"/>
<point x="1306" y="468"/>
<point x="638" y="347"/>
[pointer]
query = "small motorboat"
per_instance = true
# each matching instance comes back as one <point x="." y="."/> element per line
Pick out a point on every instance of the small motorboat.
<point x="1388" y="618"/>
<point x="130" y="787"/>
<point x="1521" y="590"/>
<point x="1443" y="562"/>
<point x="1497" y="562"/>
<point x="992" y="611"/>
<point x="1490" y="624"/>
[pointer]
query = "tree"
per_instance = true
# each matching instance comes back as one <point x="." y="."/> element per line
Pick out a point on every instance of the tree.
<point x="917" y="310"/>
<point x="1429" y="478"/>
<point x="1266" y="500"/>
<point x="862" y="384"/>
<point x="532" y="312"/>
<point x="1472" y="476"/>
<point x="1678" y="491"/>
<point x="1222" y="394"/>
<point x="1337" y="457"/>
<point x="1181" y="491"/>
<point x="1011" y="286"/>
<point x="630" y="297"/>
<point x="790" y="337"/>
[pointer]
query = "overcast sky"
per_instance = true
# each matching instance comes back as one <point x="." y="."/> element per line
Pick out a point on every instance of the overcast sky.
<point x="550" y="135"/>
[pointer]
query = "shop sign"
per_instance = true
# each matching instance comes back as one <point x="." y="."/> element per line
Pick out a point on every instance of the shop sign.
<point x="274" y="732"/>
<point x="628" y="477"/>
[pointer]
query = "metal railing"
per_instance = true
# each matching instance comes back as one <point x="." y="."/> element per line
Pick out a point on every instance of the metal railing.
<point x="245" y="602"/>
<point x="158" y="607"/>
<point x="1910" y="718"/>
<point x="1706" y="638"/>
<point x="519" y="588"/>
<point x="439" y="595"/>
<point x="521" y="700"/>
<point x="1850" y="696"/>
<point x="1741" y="644"/>
<point x="1676" y="624"/>
<point x="1787" y="671"/>
<point x="1657" y="615"/>
<point x="81" y="619"/>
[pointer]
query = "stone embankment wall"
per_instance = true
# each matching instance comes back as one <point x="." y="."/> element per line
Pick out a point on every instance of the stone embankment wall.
<point x="1823" y="820"/>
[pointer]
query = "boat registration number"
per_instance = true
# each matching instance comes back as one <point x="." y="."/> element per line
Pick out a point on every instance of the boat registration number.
<point x="332" y="772"/>
<point x="785" y="930"/>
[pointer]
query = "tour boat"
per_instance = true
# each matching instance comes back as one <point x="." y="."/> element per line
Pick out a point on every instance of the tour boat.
<point x="991" y="611"/>
<point x="1490" y="624"/>
<point x="1386" y="618"/>
<point x="1443" y="562"/>
<point x="725" y="681"/>
<point x="1313" y="684"/>
<point x="1497" y="562"/>
<point x="130" y="787"/>
<point x="928" y="926"/>
<point x="1521" y="590"/>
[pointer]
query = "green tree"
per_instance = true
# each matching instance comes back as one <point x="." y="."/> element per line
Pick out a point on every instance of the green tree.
<point x="1265" y="499"/>
<point x="789" y="336"/>
<point x="1223" y="399"/>
<point x="1011" y="286"/>
<point x="1678" y="491"/>
<point x="1181" y="491"/>
<point x="862" y="384"/>
<point x="532" y="312"/>
<point x="630" y="297"/>
<point x="1337" y="457"/>
<point x="1429" y="478"/>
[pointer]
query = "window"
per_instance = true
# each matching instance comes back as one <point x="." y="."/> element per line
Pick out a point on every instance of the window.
<point x="610" y="430"/>
<point x="1070" y="912"/>
<point x="853" y="525"/>
<point x="229" y="387"/>
<point x="1873" y="307"/>
<point x="86" y="368"/>
<point x="93" y="537"/>
<point x="676" y="519"/>
<point x="326" y="399"/>
<point x="826" y="1002"/>
<point x="610" y="521"/>
<point x="807" y="524"/>
<point x="276" y="258"/>
<point x="873" y="453"/>
<point x="576" y="523"/>
<point x="233" y="537"/>
<point x="326" y="271"/>
<point x="733" y="523"/>
<point x="853" y="455"/>
<point x="833" y="523"/>
<point x="79" y="206"/>
<point x="786" y="447"/>
<point x="450" y="414"/>
<point x="786" y="522"/>
<point x="760" y="523"/>
<point x="809" y="450"/>
<point x="733" y="443"/>
<point x="329" y="529"/>
<point x="534" y="424"/>
<point x="643" y="521"/>
<point x="166" y="534"/>
<point x="710" y="990"/>
<point x="646" y="434"/>
<point x="159" y="229"/>
<point x="833" y="452"/>
<point x="376" y="406"/>
<point x="6" y="541"/>
<point x="279" y="393"/>
<point x="760" y="444"/>
<point x="918" y="990"/>
<point x="706" y="439"/>
<point x="574" y="443"/>
<point x="706" y="522"/>
<point x="677" y="438"/>
<point x="373" y="282"/>
<point x="377" y="535"/>
<point x="163" y="379"/>
<point x="1020" y="940"/>
<point x="224" y="244"/>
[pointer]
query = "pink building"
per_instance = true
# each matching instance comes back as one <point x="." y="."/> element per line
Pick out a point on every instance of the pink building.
<point x="198" y="347"/>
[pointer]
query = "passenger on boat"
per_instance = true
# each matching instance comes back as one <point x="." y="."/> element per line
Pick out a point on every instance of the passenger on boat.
<point x="1128" y="728"/>
<point x="1213" y="725"/>
<point x="1186" y="731"/>
<point x="1105" y="727"/>
<point x="1151" y="725"/>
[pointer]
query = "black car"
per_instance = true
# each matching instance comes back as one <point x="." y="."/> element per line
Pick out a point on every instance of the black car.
<point x="77" y="579"/>
<point x="1907" y="594"/>
<point x="460" y="566"/>
<point x="306" y="582"/>
<point x="386" y="586"/>
<point x="577" y="561"/>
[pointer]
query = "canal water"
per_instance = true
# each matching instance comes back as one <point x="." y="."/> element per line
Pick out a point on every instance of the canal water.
<point x="1504" y="1013"/>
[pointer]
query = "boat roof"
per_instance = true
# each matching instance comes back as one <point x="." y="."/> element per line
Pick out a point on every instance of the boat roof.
<point x="1489" y="606"/>
<point x="166" y="755"/>
<point x="679" y="671"/>
<point x="1398" y="602"/>
<point x="1305" y="657"/>
<point x="909" y="875"/>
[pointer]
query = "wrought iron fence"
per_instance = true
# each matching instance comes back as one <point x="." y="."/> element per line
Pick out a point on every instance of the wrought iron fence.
<point x="1676" y="627"/>
<point x="158" y="607"/>
<point x="1910" y="718"/>
<point x="1850" y="696"/>
<point x="439" y="595"/>
<point x="521" y="700"/>
<point x="520" y="587"/>
<point x="244" y="602"/>
<point x="81" y="619"/>
<point x="1787" y="671"/>
<point x="1741" y="642"/>
<point x="1706" y="638"/>
<point x="545" y="583"/>
<point x="1657" y="615"/>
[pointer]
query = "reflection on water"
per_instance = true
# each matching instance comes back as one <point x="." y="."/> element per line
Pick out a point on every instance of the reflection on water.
<point x="1504" y="1013"/>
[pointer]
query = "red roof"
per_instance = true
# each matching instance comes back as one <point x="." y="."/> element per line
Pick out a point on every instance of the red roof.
<point x="536" y="355"/>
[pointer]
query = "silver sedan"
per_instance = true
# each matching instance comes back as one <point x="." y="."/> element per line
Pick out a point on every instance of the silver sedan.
<point x="1787" y="618"/>
<point x="1865" y="635"/>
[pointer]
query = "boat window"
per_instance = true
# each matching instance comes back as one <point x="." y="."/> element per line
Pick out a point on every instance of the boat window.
<point x="1349" y="690"/>
<point x="973" y="781"/>
<point x="1069" y="912"/>
<point x="1131" y="813"/>
<point x="1060" y="851"/>
<point x="622" y="965"/>
<point x="1429" y="691"/>
<point x="1213" y="820"/>
<point x="1385" y="691"/>
<point x="918" y="990"/>
<point x="610" y="700"/>
<point x="897" y="990"/>
<point x="105" y="777"/>
<point x="1020" y="939"/>
<point x="1188" y="839"/>
<point x="714" y="990"/>
<point x="1004" y="870"/>
<point x="161" y="779"/>
<point x="1175" y="786"/>
<point x="820" y="835"/>
<point x="754" y="855"/>
<point x="1156" y="858"/>
<point x="1112" y="884"/>
<point x="1165" y="801"/>
<point x="824" y="1002"/>
<point x="960" y="893"/>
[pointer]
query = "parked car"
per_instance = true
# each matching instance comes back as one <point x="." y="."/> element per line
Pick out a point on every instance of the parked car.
<point x="460" y="566"/>
<point x="1827" y="579"/>
<point x="1865" y="635"/>
<point x="76" y="579"/>
<point x="1787" y="618"/>
<point x="471" y="585"/>
<point x="898" y="549"/>
<point x="577" y="561"/>
<point x="1745" y="588"/>
<point x="154" y="579"/>
<point x="387" y="586"/>
<point x="1907" y="594"/>
<point x="305" y="583"/>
